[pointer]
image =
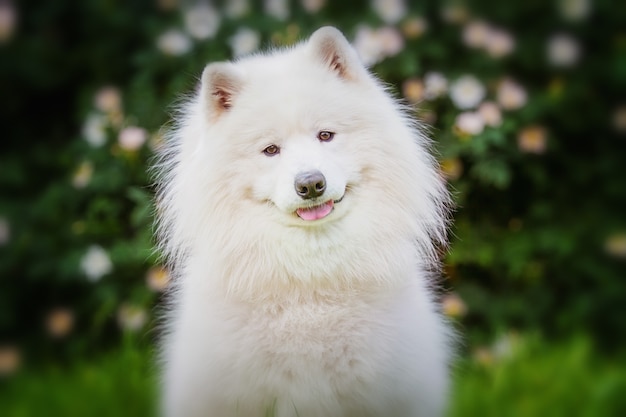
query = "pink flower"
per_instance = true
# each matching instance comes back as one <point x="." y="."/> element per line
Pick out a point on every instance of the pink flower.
<point x="454" y="306"/>
<point x="313" y="6"/>
<point x="469" y="123"/>
<point x="60" y="322"/>
<point x="499" y="43"/>
<point x="157" y="279"/>
<point x="108" y="100"/>
<point x="475" y="34"/>
<point x="414" y="27"/>
<point x="511" y="95"/>
<point x="5" y="231"/>
<point x="413" y="90"/>
<point x="132" y="138"/>
<point x="374" y="45"/>
<point x="8" y="21"/>
<point x="390" y="11"/>
<point x="532" y="139"/>
<point x="490" y="113"/>
<point x="10" y="360"/>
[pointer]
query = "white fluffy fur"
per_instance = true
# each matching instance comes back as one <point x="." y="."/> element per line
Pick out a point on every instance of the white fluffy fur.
<point x="273" y="315"/>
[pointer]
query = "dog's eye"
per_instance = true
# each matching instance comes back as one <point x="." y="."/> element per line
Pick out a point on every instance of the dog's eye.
<point x="271" y="150"/>
<point x="325" y="136"/>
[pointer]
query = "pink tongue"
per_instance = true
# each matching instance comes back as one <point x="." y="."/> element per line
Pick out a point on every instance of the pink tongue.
<point x="316" y="212"/>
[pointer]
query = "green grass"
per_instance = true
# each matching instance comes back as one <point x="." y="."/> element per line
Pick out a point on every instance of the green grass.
<point x="116" y="385"/>
<point x="532" y="379"/>
<point x="536" y="379"/>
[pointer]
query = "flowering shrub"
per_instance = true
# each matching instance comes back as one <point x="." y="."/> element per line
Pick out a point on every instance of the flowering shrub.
<point x="524" y="101"/>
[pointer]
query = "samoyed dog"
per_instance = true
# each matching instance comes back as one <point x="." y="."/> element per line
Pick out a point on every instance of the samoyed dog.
<point x="302" y="213"/>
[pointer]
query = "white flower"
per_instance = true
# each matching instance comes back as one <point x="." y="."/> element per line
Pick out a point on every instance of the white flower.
<point x="236" y="8"/>
<point x="245" y="41"/>
<point x="466" y="92"/>
<point x="475" y="34"/>
<point x="490" y="113"/>
<point x="132" y="138"/>
<point x="313" y="6"/>
<point x="390" y="11"/>
<point x="469" y="123"/>
<point x="435" y="85"/>
<point x="499" y="43"/>
<point x="374" y="45"/>
<point x="511" y="95"/>
<point x="575" y="10"/>
<point x="174" y="42"/>
<point x="563" y="50"/>
<point x="202" y="21"/>
<point x="277" y="8"/>
<point x="94" y="129"/>
<point x="82" y="175"/>
<point x="96" y="263"/>
<point x="131" y="317"/>
<point x="5" y="231"/>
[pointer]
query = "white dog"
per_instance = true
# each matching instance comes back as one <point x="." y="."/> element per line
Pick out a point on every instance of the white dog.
<point x="301" y="211"/>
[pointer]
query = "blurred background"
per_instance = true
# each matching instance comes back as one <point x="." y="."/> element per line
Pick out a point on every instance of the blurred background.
<point x="526" y="102"/>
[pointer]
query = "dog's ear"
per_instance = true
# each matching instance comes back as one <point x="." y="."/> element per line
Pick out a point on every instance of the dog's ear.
<point x="333" y="50"/>
<point x="220" y="85"/>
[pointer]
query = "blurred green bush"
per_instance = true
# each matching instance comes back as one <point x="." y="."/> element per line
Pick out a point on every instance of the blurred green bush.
<point x="525" y="101"/>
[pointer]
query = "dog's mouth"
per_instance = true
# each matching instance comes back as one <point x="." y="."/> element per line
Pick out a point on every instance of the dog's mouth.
<point x="317" y="212"/>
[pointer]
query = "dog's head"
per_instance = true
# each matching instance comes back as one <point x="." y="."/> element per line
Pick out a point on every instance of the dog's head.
<point x="301" y="142"/>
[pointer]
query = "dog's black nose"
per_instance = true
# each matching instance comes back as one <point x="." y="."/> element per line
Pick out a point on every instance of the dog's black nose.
<point x="310" y="184"/>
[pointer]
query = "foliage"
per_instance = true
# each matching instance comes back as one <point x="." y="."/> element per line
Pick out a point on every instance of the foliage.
<point x="525" y="103"/>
